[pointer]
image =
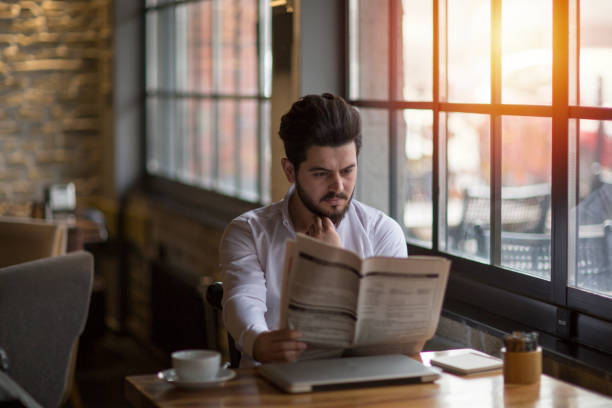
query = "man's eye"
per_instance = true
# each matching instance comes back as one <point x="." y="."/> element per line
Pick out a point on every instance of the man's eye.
<point x="347" y="171"/>
<point x="320" y="174"/>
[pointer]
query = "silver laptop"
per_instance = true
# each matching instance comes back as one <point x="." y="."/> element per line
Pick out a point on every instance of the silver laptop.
<point x="335" y="373"/>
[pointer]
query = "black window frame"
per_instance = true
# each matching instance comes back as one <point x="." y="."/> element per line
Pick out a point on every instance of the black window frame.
<point x="573" y="316"/>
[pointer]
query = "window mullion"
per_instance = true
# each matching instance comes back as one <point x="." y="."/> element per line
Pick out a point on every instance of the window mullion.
<point x="559" y="188"/>
<point x="216" y="32"/>
<point x="264" y="89"/>
<point x="438" y="160"/>
<point x="394" y="25"/>
<point x="496" y="137"/>
<point x="237" y="104"/>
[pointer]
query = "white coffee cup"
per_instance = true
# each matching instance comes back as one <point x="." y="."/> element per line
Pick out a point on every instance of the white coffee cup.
<point x="196" y="365"/>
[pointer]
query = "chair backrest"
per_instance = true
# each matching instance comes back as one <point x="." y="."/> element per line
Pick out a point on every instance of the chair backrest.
<point x="524" y="208"/>
<point x="214" y="295"/>
<point x="43" y="309"/>
<point x="27" y="239"/>
<point x="531" y="253"/>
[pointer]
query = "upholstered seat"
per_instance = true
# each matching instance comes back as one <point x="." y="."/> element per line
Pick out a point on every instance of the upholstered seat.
<point x="43" y="309"/>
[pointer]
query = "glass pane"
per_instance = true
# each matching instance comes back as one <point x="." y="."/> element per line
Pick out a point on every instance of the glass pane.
<point x="189" y="32"/>
<point x="227" y="146"/>
<point x="416" y="64"/>
<point x="415" y="130"/>
<point x="247" y="47"/>
<point x="369" y="49"/>
<point x="181" y="132"/>
<point x="468" y="183"/>
<point x="593" y="268"/>
<point x="247" y="120"/>
<point x="201" y="47"/>
<point x="373" y="169"/>
<point x="469" y="52"/>
<point x="154" y="136"/>
<point x="168" y="136"/>
<point x="165" y="53"/>
<point x="228" y="35"/>
<point x="525" y="207"/>
<point x="596" y="53"/>
<point x="527" y="52"/>
<point x="181" y="63"/>
<point x="204" y="144"/>
<point x="192" y="146"/>
<point x="151" y="50"/>
<point x="265" y="159"/>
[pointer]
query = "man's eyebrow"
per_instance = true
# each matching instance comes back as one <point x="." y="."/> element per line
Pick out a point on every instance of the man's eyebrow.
<point x="318" y="168"/>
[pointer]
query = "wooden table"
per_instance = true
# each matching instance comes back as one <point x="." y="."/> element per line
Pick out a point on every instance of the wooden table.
<point x="483" y="390"/>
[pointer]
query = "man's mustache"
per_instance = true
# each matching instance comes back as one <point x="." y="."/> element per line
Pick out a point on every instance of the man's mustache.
<point x="332" y="195"/>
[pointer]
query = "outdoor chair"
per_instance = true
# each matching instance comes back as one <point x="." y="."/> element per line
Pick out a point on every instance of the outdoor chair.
<point x="524" y="209"/>
<point x="531" y="253"/>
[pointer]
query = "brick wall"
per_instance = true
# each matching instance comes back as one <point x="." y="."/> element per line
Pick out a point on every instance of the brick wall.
<point x="55" y="86"/>
<point x="157" y="233"/>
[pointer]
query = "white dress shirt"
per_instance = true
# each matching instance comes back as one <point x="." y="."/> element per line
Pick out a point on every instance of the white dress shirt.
<point x="252" y="253"/>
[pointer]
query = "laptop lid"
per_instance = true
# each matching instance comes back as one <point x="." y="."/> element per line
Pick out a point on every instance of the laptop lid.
<point x="334" y="373"/>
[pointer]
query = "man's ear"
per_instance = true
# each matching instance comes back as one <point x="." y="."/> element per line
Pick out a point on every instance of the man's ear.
<point x="288" y="169"/>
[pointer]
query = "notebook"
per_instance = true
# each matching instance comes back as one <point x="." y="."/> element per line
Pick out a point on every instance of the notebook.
<point x="467" y="362"/>
<point x="335" y="373"/>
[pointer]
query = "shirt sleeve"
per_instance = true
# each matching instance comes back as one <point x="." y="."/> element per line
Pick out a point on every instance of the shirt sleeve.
<point x="389" y="238"/>
<point x="244" y="286"/>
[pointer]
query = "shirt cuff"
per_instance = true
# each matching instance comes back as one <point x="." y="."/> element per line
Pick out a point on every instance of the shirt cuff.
<point x="247" y="339"/>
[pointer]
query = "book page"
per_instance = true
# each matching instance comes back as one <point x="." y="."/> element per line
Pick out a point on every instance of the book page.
<point x="400" y="299"/>
<point x="322" y="293"/>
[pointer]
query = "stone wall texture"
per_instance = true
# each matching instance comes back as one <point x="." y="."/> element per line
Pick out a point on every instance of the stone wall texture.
<point x="55" y="87"/>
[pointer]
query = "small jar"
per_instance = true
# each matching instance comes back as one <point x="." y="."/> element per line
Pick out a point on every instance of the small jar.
<point x="522" y="367"/>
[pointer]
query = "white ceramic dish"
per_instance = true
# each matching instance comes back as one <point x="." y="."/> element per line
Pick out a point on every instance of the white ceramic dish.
<point x="170" y="376"/>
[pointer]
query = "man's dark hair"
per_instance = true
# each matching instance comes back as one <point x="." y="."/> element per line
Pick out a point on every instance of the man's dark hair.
<point x="319" y="120"/>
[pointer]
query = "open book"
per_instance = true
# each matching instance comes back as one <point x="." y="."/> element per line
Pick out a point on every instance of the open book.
<point x="340" y="301"/>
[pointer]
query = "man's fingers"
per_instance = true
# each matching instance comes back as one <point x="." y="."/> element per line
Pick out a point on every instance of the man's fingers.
<point x="318" y="223"/>
<point x="287" y="350"/>
<point x="289" y="346"/>
<point x="286" y="355"/>
<point x="284" y="334"/>
<point x="328" y="224"/>
<point x="279" y="345"/>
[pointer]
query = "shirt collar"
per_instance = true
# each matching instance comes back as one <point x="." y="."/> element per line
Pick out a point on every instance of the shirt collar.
<point x="285" y="210"/>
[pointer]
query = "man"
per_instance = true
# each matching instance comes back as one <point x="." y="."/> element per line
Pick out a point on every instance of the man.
<point x="322" y="138"/>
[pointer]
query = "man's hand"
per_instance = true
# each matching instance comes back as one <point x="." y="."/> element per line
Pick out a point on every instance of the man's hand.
<point x="278" y="345"/>
<point x="323" y="228"/>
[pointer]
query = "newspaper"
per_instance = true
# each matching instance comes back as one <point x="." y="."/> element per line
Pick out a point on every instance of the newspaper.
<point x="340" y="301"/>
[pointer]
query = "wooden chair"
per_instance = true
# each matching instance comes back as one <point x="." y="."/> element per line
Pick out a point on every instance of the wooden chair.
<point x="27" y="239"/>
<point x="214" y="295"/>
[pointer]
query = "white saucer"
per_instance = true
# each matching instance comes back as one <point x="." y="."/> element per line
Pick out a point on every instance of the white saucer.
<point x="170" y="376"/>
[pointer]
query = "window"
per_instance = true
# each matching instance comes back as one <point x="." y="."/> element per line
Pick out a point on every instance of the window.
<point x="497" y="120"/>
<point x="207" y="94"/>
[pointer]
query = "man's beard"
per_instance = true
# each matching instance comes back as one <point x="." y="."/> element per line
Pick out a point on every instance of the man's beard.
<point x="334" y="216"/>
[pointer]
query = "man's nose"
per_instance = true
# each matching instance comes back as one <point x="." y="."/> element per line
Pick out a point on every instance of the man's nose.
<point x="336" y="182"/>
